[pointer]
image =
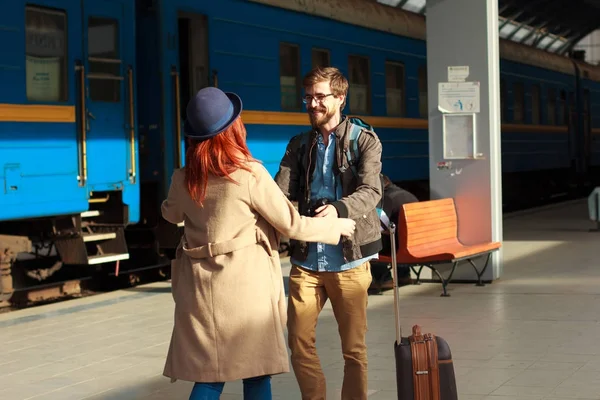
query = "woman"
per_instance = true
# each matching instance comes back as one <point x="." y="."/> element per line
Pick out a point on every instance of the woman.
<point x="230" y="308"/>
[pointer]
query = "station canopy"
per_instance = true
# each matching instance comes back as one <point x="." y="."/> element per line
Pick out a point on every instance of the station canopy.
<point x="552" y="25"/>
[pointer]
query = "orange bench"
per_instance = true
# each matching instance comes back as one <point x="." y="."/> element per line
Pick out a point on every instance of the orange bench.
<point x="428" y="235"/>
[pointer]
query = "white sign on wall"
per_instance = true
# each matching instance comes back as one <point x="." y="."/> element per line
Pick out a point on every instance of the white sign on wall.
<point x="459" y="136"/>
<point x="458" y="74"/>
<point x="459" y="97"/>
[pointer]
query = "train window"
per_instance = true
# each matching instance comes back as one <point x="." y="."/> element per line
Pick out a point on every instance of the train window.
<point x="104" y="74"/>
<point x="320" y="58"/>
<point x="45" y="54"/>
<point x="360" y="93"/>
<point x="551" y="117"/>
<point x="423" y="106"/>
<point x="394" y="88"/>
<point x="519" y="102"/>
<point x="289" y="76"/>
<point x="536" y="109"/>
<point x="562" y="108"/>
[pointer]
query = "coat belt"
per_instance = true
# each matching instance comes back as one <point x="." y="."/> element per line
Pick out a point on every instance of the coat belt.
<point x="219" y="248"/>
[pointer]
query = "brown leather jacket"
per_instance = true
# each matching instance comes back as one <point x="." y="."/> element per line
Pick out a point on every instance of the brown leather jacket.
<point x="361" y="193"/>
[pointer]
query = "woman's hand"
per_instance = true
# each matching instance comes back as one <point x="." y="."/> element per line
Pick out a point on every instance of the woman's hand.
<point x="347" y="226"/>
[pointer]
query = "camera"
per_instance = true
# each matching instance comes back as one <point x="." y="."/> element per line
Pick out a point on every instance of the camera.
<point x="312" y="210"/>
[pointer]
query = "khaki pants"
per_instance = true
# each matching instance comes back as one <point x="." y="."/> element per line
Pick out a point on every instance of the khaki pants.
<point x="308" y="292"/>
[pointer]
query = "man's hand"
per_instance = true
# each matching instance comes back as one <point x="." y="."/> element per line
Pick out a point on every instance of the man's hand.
<point x="327" y="210"/>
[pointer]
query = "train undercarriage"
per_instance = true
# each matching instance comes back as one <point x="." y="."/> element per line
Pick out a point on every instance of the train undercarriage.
<point x="51" y="256"/>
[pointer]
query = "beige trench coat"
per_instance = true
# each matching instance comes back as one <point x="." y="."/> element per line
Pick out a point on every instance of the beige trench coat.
<point x="230" y="308"/>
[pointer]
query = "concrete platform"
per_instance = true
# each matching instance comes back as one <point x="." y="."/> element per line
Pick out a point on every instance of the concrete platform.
<point x="534" y="334"/>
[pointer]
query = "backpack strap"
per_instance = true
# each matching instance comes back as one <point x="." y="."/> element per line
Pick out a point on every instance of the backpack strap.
<point x="352" y="153"/>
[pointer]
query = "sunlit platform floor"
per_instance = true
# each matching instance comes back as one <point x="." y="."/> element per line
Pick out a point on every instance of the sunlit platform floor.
<point x="533" y="334"/>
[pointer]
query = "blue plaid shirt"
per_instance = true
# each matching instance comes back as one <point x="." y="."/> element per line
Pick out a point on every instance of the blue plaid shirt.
<point x="324" y="257"/>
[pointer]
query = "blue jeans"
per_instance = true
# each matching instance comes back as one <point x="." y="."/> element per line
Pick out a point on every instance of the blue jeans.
<point x="258" y="388"/>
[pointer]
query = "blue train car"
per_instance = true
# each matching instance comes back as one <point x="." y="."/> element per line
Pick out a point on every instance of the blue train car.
<point x="68" y="140"/>
<point x="262" y="48"/>
<point x="261" y="52"/>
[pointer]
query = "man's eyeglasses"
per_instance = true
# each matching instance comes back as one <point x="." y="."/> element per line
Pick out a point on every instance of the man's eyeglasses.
<point x="319" y="98"/>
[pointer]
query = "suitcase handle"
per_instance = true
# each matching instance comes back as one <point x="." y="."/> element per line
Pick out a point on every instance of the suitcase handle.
<point x="395" y="277"/>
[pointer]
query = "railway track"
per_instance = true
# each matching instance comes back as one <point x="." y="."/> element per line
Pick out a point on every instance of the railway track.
<point x="61" y="290"/>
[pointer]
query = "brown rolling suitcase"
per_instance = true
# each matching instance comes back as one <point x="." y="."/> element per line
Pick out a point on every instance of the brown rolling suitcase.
<point x="424" y="369"/>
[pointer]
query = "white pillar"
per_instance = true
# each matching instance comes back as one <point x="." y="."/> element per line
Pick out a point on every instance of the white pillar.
<point x="465" y="33"/>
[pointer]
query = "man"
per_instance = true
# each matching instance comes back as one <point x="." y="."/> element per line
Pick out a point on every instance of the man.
<point x="393" y="199"/>
<point x="315" y="172"/>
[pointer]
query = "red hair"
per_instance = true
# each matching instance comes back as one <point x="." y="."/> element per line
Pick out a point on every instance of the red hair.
<point x="220" y="155"/>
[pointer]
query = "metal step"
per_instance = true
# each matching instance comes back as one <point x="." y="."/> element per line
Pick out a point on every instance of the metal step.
<point x="96" y="237"/>
<point x="90" y="213"/>
<point x="104" y="258"/>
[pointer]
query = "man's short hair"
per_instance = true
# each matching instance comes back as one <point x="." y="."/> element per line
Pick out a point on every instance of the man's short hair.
<point x="337" y="81"/>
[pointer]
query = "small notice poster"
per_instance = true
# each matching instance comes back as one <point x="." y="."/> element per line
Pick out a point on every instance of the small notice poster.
<point x="458" y="73"/>
<point x="43" y="78"/>
<point x="459" y="97"/>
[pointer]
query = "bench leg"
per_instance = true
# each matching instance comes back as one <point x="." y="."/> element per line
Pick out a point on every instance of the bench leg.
<point x="418" y="274"/>
<point x="480" y="274"/>
<point x="445" y="282"/>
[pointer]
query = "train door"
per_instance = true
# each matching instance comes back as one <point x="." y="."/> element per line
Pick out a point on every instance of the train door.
<point x="184" y="56"/>
<point x="193" y="72"/>
<point x="107" y="56"/>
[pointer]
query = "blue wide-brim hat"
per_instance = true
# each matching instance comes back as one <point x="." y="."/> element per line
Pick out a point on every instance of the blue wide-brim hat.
<point x="210" y="112"/>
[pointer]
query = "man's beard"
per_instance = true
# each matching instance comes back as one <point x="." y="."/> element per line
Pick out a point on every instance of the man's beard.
<point x="318" y="121"/>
